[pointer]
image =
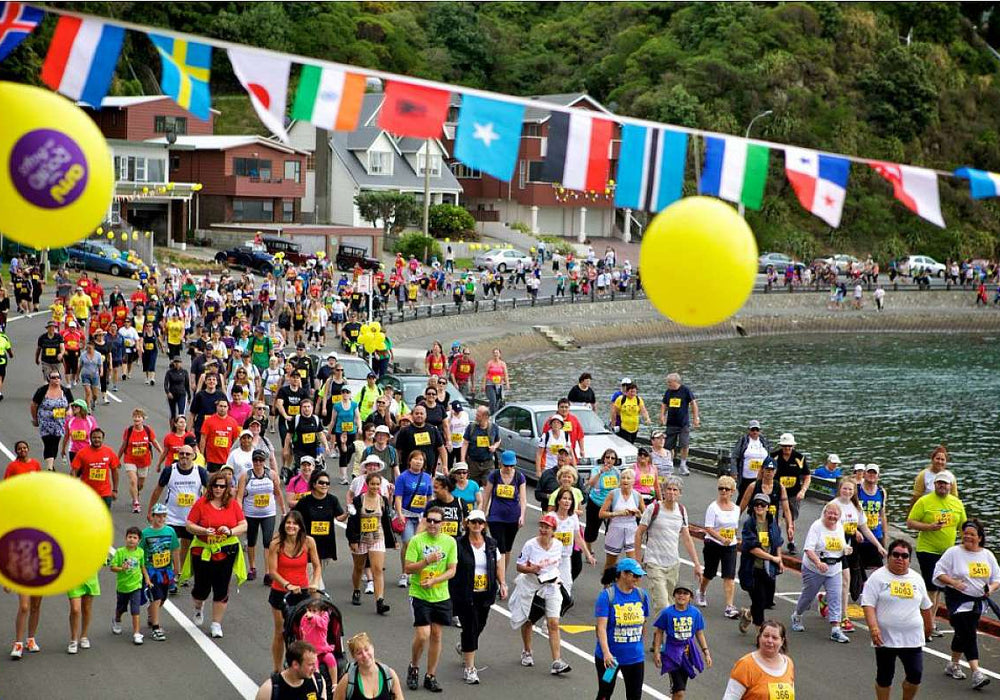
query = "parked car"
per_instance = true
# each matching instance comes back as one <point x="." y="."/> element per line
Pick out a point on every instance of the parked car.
<point x="842" y="261"/>
<point x="521" y="424"/>
<point x="349" y="255"/>
<point x="249" y="256"/>
<point x="923" y="262"/>
<point x="98" y="256"/>
<point x="778" y="261"/>
<point x="502" y="259"/>
<point x="292" y="250"/>
<point x="355" y="370"/>
<point x="413" y="385"/>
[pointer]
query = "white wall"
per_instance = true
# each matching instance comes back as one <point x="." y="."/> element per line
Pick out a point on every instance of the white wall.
<point x="342" y="194"/>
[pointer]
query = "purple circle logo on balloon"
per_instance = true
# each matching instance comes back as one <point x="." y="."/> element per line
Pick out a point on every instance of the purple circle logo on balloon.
<point x="48" y="168"/>
<point x="30" y="557"/>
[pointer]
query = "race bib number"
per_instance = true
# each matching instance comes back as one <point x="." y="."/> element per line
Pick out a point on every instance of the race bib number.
<point x="834" y="544"/>
<point x="773" y="510"/>
<point x="217" y="539"/>
<point x="138" y="450"/>
<point x="629" y="615"/>
<point x="765" y="539"/>
<point x="505" y="491"/>
<point x="788" y="481"/>
<point x="336" y="398"/>
<point x="780" y="691"/>
<point x="303" y="373"/>
<point x="554" y="449"/>
<point x="150" y="346"/>
<point x="943" y="518"/>
<point x="292" y="410"/>
<point x="456" y="437"/>
<point x="272" y="387"/>
<point x="755" y="464"/>
<point x="161" y="559"/>
<point x="78" y="435"/>
<point x="901" y="589"/>
<point x="497" y="379"/>
<point x="220" y="441"/>
<point x="185" y="500"/>
<point x="320" y="527"/>
<point x="369" y="523"/>
<point x="309" y="438"/>
<point x="647" y="480"/>
<point x="979" y="569"/>
<point x="258" y="348"/>
<point x="97" y="474"/>
<point x="50" y="352"/>
<point x="347" y="427"/>
<point x="565" y="537"/>
<point x="464" y="369"/>
<point x="421" y="439"/>
<point x="609" y="481"/>
<point x="418" y="503"/>
<point x="728" y="533"/>
<point x="261" y="500"/>
<point x="850" y="529"/>
<point x="425" y="576"/>
<point x="449" y="527"/>
<point x="675" y="403"/>
<point x="479" y="582"/>
<point x="59" y="413"/>
<point x="482" y="441"/>
<point x="872" y="520"/>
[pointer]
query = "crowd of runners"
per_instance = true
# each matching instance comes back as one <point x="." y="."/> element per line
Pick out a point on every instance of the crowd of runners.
<point x="268" y="453"/>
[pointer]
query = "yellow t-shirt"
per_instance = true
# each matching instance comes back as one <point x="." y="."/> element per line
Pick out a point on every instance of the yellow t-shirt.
<point x="629" y="409"/>
<point x="175" y="331"/>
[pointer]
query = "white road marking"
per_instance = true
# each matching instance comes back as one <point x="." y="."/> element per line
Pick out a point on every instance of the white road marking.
<point x="112" y="396"/>
<point x="10" y="455"/>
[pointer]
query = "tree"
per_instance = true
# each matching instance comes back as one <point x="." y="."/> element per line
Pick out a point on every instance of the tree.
<point x="449" y="220"/>
<point x="390" y="211"/>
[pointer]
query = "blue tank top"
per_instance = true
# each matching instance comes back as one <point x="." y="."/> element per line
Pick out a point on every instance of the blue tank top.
<point x="606" y="483"/>
<point x="871" y="506"/>
<point x="345" y="418"/>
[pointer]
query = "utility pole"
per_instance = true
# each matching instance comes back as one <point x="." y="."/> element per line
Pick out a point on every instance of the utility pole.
<point x="322" y="211"/>
<point x="427" y="183"/>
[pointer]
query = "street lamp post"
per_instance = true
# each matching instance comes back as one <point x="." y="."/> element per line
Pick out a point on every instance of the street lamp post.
<point x="766" y="113"/>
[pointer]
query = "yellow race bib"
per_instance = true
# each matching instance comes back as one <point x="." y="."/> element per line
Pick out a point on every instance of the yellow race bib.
<point x="780" y="691"/>
<point x="58" y="413"/>
<point x="303" y="373"/>
<point x="220" y="441"/>
<point x="347" y="427"/>
<point x="505" y="491"/>
<point x="765" y="539"/>
<point x="850" y="529"/>
<point x="320" y="527"/>
<point x="50" y="352"/>
<point x="787" y="481"/>
<point x="773" y="510"/>
<point x="554" y="449"/>
<point x="482" y="441"/>
<point x="728" y="533"/>
<point x="78" y="435"/>
<point x="901" y="589"/>
<point x="609" y="481"/>
<point x="309" y="438"/>
<point x="497" y="379"/>
<point x="161" y="559"/>
<point x="258" y="348"/>
<point x="292" y="410"/>
<point x="479" y="582"/>
<point x="565" y="537"/>
<point x="833" y="544"/>
<point x="872" y="520"/>
<point x="675" y="403"/>
<point x="138" y="450"/>
<point x="422" y="438"/>
<point x="418" y="502"/>
<point x="97" y="474"/>
<point x="647" y="480"/>
<point x="979" y="569"/>
<point x="369" y="523"/>
<point x="449" y="527"/>
<point x="456" y="437"/>
<point x="943" y="517"/>
<point x="755" y="464"/>
<point x="261" y="500"/>
<point x="184" y="500"/>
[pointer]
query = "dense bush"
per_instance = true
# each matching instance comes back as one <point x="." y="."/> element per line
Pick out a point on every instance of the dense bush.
<point x="450" y="221"/>
<point x="416" y="243"/>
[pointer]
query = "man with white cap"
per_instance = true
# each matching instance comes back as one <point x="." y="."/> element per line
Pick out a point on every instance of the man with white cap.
<point x="619" y="392"/>
<point x="829" y="470"/>
<point x="793" y="473"/>
<point x="241" y="456"/>
<point x="385" y="452"/>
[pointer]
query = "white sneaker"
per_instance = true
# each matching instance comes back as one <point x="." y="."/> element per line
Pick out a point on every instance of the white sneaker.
<point x="404" y="581"/>
<point x="472" y="678"/>
<point x="116" y="627"/>
<point x="700" y="600"/>
<point x="73" y="647"/>
<point x="526" y="658"/>
<point x="836" y="635"/>
<point x="797" y="625"/>
<point x="559" y="667"/>
<point x="370" y="588"/>
<point x="954" y="670"/>
<point x="216" y="630"/>
<point x="979" y="680"/>
<point x="84" y="643"/>
<point x="199" y="616"/>
<point x="137" y="639"/>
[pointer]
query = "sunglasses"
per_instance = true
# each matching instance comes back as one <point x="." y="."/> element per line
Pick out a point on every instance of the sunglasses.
<point x="433" y="521"/>
<point x="725" y="488"/>
<point x="760" y="505"/>
<point x="185" y="454"/>
<point x="754" y="430"/>
<point x="322" y="483"/>
<point x="899" y="555"/>
<point x="477" y="522"/>
<point x="220" y="486"/>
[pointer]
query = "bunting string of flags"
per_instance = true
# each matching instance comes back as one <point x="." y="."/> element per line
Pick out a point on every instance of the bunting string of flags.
<point x="652" y="157"/>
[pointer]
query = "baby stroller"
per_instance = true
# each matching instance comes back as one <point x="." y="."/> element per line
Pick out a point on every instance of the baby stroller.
<point x="295" y="609"/>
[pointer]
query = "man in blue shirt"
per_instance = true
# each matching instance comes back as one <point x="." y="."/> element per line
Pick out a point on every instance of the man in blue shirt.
<point x="678" y="401"/>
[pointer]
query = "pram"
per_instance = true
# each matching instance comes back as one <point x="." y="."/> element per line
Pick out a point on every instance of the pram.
<point x="295" y="609"/>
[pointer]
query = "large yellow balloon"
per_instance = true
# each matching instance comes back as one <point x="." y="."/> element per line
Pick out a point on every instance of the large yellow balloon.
<point x="698" y="261"/>
<point x="55" y="532"/>
<point x="57" y="175"/>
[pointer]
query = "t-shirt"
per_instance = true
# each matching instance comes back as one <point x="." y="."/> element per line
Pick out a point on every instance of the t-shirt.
<point x="414" y="490"/>
<point x="664" y="534"/>
<point x="725" y="522"/>
<point x="760" y="685"/>
<point x="220" y="434"/>
<point x="94" y="468"/>
<point x="677" y="402"/>
<point x="549" y="559"/>
<point x="680" y="625"/>
<point x="505" y="501"/>
<point x="626" y="618"/>
<point x="974" y="569"/>
<point x="828" y="544"/>
<point x="158" y="544"/>
<point x="422" y="545"/>
<point x="790" y="471"/>
<point x="130" y="579"/>
<point x="205" y="514"/>
<point x="319" y="516"/>
<point x="138" y="446"/>
<point x="871" y="506"/>
<point x="18" y="467"/>
<point x="453" y="515"/>
<point x="934" y="509"/>
<point x="578" y="395"/>
<point x="607" y="482"/>
<point x="479" y="440"/>
<point x="629" y="411"/>
<point x="467" y="494"/>
<point x="49" y="347"/>
<point x="426" y="438"/>
<point x="898" y="601"/>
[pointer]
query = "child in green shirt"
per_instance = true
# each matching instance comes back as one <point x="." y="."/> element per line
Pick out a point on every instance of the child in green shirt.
<point x="129" y="563"/>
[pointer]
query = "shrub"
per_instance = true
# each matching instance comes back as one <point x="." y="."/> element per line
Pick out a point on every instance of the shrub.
<point x="450" y="221"/>
<point x="556" y="244"/>
<point x="419" y="245"/>
<point x="521" y="226"/>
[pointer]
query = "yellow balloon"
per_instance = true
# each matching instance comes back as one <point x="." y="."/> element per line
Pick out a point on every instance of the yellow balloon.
<point x="135" y="235"/>
<point x="698" y="261"/>
<point x="124" y="236"/>
<point x="111" y="235"/>
<point x="321" y="255"/>
<point x="145" y="190"/>
<point x="57" y="171"/>
<point x="54" y="534"/>
<point x="100" y="230"/>
<point x="148" y="234"/>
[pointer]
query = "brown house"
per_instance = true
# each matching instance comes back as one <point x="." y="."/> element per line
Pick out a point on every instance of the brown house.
<point x="149" y="117"/>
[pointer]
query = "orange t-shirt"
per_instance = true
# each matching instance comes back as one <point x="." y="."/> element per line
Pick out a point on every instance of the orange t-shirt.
<point x="94" y="468"/>
<point x="138" y="446"/>
<point x="761" y="685"/>
<point x="220" y="434"/>
<point x="18" y="467"/>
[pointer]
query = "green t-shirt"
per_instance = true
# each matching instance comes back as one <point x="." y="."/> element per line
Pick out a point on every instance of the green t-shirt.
<point x="131" y="578"/>
<point x="5" y="345"/>
<point x="189" y="290"/>
<point x="420" y="546"/>
<point x="260" y="351"/>
<point x="931" y="508"/>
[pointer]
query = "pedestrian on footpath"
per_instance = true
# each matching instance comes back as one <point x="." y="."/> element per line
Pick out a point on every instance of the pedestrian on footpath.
<point x="679" y="413"/>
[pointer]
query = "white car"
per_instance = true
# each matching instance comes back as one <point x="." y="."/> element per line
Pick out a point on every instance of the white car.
<point x="923" y="262"/>
<point x="502" y="259"/>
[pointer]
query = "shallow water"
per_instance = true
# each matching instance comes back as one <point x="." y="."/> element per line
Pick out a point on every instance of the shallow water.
<point x="885" y="398"/>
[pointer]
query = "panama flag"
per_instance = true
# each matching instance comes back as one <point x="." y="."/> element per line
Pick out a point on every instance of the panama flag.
<point x="650" y="168"/>
<point x="329" y="98"/>
<point x="917" y="188"/>
<point x="820" y="181"/>
<point x="17" y="21"/>
<point x="735" y="170"/>
<point x="265" y="78"/>
<point x="82" y="58"/>
<point x="578" y="151"/>
<point x="982" y="184"/>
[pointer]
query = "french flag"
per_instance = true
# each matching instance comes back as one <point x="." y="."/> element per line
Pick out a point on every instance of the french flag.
<point x="820" y="181"/>
<point x="82" y="58"/>
<point x="982" y="184"/>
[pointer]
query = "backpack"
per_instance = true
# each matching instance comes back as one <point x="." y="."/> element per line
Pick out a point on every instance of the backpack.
<point x="656" y="512"/>
<point x="610" y="590"/>
<point x="317" y="680"/>
<point x="352" y="678"/>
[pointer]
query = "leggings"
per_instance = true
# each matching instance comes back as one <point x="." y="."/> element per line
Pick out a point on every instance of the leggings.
<point x="965" y="625"/>
<point x="50" y="446"/>
<point x="149" y="360"/>
<point x="593" y="526"/>
<point x="264" y="525"/>
<point x="212" y="576"/>
<point x="761" y="595"/>
<point x="177" y="405"/>
<point x="494" y="395"/>
<point x="885" y="664"/>
<point x="632" y="674"/>
<point x="346" y="452"/>
<point x="473" y="617"/>
<point x="812" y="582"/>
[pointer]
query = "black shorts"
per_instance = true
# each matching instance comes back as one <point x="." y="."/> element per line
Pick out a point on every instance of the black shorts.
<point x="182" y="532"/>
<point x="927" y="562"/>
<point x="885" y="664"/>
<point x="870" y="558"/>
<point x="678" y="681"/>
<point x="425" y="613"/>
<point x="716" y="554"/>
<point x="504" y="534"/>
<point x="276" y="599"/>
<point x="158" y="590"/>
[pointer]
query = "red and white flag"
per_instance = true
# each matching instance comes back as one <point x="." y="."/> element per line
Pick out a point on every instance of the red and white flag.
<point x="917" y="188"/>
<point x="578" y="151"/>
<point x="413" y="110"/>
<point x="265" y="78"/>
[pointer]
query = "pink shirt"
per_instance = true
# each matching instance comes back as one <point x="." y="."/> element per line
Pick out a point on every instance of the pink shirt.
<point x="78" y="430"/>
<point x="314" y="628"/>
<point x="240" y="411"/>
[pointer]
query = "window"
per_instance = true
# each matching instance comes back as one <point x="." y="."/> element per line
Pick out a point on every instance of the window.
<point x="514" y="419"/>
<point x="293" y="170"/>
<point x="140" y="169"/>
<point x="311" y="162"/>
<point x="532" y="129"/>
<point x="535" y="171"/>
<point x="256" y="168"/>
<point x="288" y="211"/>
<point x="156" y="172"/>
<point x="435" y="164"/>
<point x="175" y="162"/>
<point x="253" y="210"/>
<point x="465" y="172"/>
<point x="379" y="163"/>
<point x="116" y="212"/>
<point x="162" y="124"/>
<point x="137" y="169"/>
<point x="522" y="173"/>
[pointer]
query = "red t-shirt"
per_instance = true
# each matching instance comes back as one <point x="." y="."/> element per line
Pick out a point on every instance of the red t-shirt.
<point x="171" y="441"/>
<point x="138" y="446"/>
<point x="463" y="369"/>
<point x="220" y="435"/>
<point x="73" y="339"/>
<point x="205" y="514"/>
<point x="94" y="468"/>
<point x="18" y="467"/>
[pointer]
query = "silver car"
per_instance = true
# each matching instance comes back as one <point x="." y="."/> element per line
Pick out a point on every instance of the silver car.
<point x="520" y="425"/>
<point x="502" y="259"/>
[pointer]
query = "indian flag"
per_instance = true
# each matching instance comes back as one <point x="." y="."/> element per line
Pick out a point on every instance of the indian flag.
<point x="329" y="98"/>
<point x="735" y="170"/>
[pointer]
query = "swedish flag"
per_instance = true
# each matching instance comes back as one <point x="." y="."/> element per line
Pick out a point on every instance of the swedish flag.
<point x="186" y="67"/>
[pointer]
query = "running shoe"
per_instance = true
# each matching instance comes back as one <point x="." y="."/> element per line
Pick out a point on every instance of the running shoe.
<point x="472" y="678"/>
<point x="838" y="636"/>
<point x="73" y="647"/>
<point x="84" y="643"/>
<point x="251" y="574"/>
<point x="16" y="650"/>
<point x="431" y="683"/>
<point x="159" y="635"/>
<point x="404" y="581"/>
<point x="106" y="401"/>
<point x="822" y="605"/>
<point x="979" y="680"/>
<point x="526" y="658"/>
<point x="700" y="600"/>
<point x="172" y="590"/>
<point x="370" y="588"/>
<point x="32" y="646"/>
<point x="345" y="482"/>
<point x="745" y="620"/>
<point x="381" y="607"/>
<point x="116" y="627"/>
<point x="797" y="625"/>
<point x="559" y="667"/>
<point x="412" y="677"/>
<point x="791" y="547"/>
<point x="199" y="616"/>
<point x="731" y="612"/>
<point x="683" y="470"/>
<point x="847" y="625"/>
<point x="215" y="629"/>
<point x="136" y="508"/>
<point x="267" y="579"/>
<point x="954" y="670"/>
<point x="137" y="639"/>
<point x="356" y="597"/>
<point x="936" y="633"/>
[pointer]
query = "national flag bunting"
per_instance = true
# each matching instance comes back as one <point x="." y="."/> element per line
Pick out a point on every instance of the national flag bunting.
<point x="982" y="184"/>
<point x="735" y="170"/>
<point x="819" y="181"/>
<point x="265" y="78"/>
<point x="81" y="59"/>
<point x="413" y="110"/>
<point x="577" y="152"/>
<point x="917" y="188"/>
<point x="329" y="98"/>
<point x="650" y="168"/>
<point x="17" y="21"/>
<point x="186" y="67"/>
<point x="488" y="135"/>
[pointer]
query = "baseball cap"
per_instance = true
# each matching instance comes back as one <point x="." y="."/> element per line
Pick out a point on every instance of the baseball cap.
<point x="300" y="345"/>
<point x="944" y="476"/>
<point x="762" y="498"/>
<point x="786" y="439"/>
<point x="159" y="509"/>
<point x="382" y="429"/>
<point x="753" y="424"/>
<point x="258" y="454"/>
<point x="548" y="519"/>
<point x="508" y="458"/>
<point x="556" y="416"/>
<point x="859" y="467"/>
<point x="460" y="467"/>
<point x="769" y="463"/>
<point x="306" y="458"/>
<point x="626" y="380"/>
<point x="332" y="354"/>
<point x="260" y="327"/>
<point x="872" y="467"/>
<point x="630" y="565"/>
<point x="833" y="458"/>
<point x="477" y="515"/>
<point x="246" y="433"/>
<point x="683" y="587"/>
<point x="456" y="405"/>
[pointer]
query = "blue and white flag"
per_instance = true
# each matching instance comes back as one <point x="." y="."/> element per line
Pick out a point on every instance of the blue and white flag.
<point x="982" y="184"/>
<point x="488" y="135"/>
<point x="17" y="21"/>
<point x="650" y="168"/>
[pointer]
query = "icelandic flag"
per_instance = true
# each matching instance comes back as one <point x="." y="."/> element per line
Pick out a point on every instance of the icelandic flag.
<point x="488" y="135"/>
<point x="17" y="21"/>
<point x="982" y="184"/>
<point x="650" y="168"/>
<point x="81" y="59"/>
<point x="735" y="170"/>
<point x="820" y="181"/>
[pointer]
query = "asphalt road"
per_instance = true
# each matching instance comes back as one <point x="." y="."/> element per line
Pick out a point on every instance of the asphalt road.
<point x="230" y="668"/>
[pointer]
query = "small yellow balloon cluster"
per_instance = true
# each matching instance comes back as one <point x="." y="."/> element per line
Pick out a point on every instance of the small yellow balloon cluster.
<point x="371" y="337"/>
<point x="320" y="255"/>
